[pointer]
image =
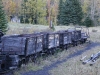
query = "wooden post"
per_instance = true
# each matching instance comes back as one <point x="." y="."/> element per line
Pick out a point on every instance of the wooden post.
<point x="49" y="13"/>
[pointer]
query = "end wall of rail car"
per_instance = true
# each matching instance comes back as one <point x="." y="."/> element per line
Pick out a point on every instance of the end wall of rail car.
<point x="65" y="38"/>
<point x="13" y="45"/>
<point x="84" y="33"/>
<point x="75" y="34"/>
<point x="34" y="43"/>
<point x="51" y="40"/>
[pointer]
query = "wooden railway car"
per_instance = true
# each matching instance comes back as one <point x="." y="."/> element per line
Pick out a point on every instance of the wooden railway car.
<point x="21" y="47"/>
<point x="65" y="39"/>
<point x="74" y="36"/>
<point x="50" y="41"/>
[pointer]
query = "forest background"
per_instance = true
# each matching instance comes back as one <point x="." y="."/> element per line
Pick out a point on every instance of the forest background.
<point x="46" y="11"/>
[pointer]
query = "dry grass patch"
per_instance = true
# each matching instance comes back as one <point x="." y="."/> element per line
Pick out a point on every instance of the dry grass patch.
<point x="94" y="29"/>
<point x="17" y="28"/>
<point x="95" y="37"/>
<point x="32" y="67"/>
<point x="75" y="67"/>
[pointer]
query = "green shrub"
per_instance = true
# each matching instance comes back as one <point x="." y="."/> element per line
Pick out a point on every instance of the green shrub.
<point x="21" y="19"/>
<point x="26" y="20"/>
<point x="88" y="22"/>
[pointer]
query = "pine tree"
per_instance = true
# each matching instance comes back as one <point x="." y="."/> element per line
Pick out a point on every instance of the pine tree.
<point x="71" y="13"/>
<point x="3" y="21"/>
<point x="88" y="22"/>
<point x="60" y="12"/>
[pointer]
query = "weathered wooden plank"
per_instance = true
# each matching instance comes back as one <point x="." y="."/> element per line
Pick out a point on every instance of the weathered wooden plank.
<point x="14" y="45"/>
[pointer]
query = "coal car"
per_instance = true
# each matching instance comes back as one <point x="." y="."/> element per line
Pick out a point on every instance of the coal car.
<point x="20" y="48"/>
<point x="64" y="39"/>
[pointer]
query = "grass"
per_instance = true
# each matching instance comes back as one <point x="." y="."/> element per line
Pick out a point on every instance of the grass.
<point x="75" y="67"/>
<point x="28" y="67"/>
<point x="95" y="36"/>
<point x="17" y="28"/>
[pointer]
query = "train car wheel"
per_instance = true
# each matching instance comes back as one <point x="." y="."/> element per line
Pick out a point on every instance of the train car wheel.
<point x="3" y="66"/>
<point x="85" y="40"/>
<point x="33" y="58"/>
<point x="76" y="43"/>
<point x="66" y="47"/>
<point x="19" y="64"/>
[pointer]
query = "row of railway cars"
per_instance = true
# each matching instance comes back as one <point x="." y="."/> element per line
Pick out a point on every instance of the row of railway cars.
<point x="19" y="49"/>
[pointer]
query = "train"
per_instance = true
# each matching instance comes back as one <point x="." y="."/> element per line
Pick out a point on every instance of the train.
<point x="19" y="49"/>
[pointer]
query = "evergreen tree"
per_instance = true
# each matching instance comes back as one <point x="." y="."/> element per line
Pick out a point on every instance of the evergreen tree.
<point x="3" y="21"/>
<point x="60" y="12"/>
<point x="71" y="13"/>
<point x="88" y="22"/>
